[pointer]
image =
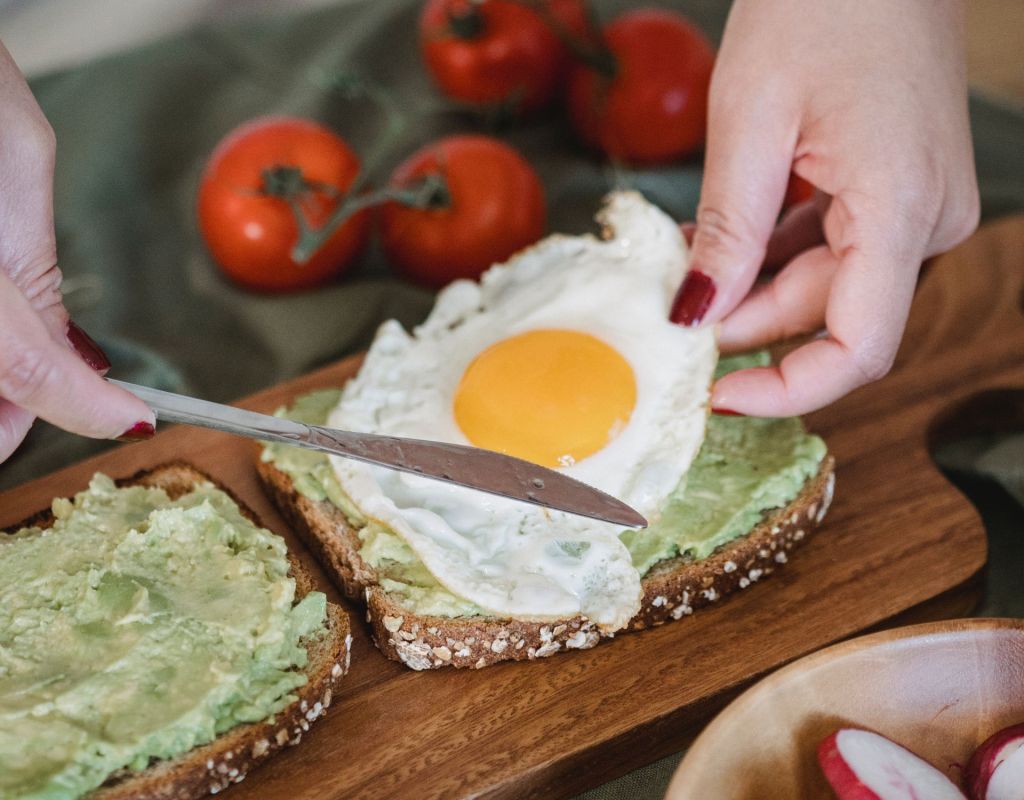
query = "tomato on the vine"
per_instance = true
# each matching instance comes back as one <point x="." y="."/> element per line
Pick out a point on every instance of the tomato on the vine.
<point x="499" y="52"/>
<point x="491" y="204"/>
<point x="259" y="177"/>
<point x="648" y="102"/>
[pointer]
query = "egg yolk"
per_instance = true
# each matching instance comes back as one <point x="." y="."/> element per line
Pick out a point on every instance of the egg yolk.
<point x="552" y="397"/>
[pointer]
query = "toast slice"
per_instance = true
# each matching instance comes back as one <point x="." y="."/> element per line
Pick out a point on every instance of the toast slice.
<point x="672" y="589"/>
<point x="210" y="768"/>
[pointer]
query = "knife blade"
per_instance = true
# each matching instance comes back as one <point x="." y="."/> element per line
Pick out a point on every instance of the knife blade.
<point x="484" y="470"/>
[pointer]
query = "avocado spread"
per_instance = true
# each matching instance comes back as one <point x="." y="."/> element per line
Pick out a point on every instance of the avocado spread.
<point x="745" y="467"/>
<point x="138" y="627"/>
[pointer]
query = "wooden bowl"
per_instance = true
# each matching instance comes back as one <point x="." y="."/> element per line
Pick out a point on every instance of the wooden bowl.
<point x="939" y="689"/>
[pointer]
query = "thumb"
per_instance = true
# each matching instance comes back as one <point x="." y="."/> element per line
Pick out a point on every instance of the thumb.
<point x="47" y="379"/>
<point x="14" y="425"/>
<point x="749" y="152"/>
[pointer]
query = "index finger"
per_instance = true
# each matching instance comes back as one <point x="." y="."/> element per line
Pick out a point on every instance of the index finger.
<point x="46" y="378"/>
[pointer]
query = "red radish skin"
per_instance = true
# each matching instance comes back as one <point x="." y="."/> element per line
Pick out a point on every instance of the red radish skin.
<point x="996" y="770"/>
<point x="838" y="773"/>
<point x="861" y="765"/>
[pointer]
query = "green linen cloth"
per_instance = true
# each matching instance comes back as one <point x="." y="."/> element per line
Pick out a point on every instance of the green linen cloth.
<point x="134" y="130"/>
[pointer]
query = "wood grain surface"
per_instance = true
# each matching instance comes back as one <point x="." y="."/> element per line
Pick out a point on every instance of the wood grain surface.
<point x="898" y="537"/>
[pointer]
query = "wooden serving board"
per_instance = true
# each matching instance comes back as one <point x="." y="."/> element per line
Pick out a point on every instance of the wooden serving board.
<point x="898" y="537"/>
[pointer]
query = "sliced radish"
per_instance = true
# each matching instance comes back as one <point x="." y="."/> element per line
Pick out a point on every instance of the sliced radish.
<point x="996" y="770"/>
<point x="861" y="765"/>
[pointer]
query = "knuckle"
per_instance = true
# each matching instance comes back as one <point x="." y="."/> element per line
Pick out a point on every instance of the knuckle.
<point x="46" y="138"/>
<point x="27" y="373"/>
<point x="34" y="139"/>
<point x="958" y="221"/>
<point x="41" y="285"/>
<point x="719" y="229"/>
<point x="872" y="363"/>
<point x="11" y="434"/>
<point x="965" y="217"/>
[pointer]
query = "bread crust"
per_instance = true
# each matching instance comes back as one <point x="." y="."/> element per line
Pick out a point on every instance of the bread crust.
<point x="212" y="767"/>
<point x="677" y="587"/>
<point x="674" y="588"/>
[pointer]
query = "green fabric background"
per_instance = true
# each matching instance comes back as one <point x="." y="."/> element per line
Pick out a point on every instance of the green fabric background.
<point x="134" y="131"/>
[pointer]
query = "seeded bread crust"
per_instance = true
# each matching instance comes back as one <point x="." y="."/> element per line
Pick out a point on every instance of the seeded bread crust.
<point x="677" y="587"/>
<point x="213" y="767"/>
<point x="672" y="589"/>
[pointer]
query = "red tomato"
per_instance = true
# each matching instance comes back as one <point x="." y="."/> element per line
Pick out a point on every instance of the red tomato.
<point x="498" y="51"/>
<point x="251" y="233"/>
<point x="654" y="107"/>
<point x="495" y="207"/>
<point x="797" y="191"/>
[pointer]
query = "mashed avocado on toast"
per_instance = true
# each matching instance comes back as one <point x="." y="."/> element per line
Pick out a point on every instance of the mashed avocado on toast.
<point x="137" y="627"/>
<point x="745" y="467"/>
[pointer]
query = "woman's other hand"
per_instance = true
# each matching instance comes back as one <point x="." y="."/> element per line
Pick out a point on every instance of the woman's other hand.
<point x="866" y="100"/>
<point x="49" y="368"/>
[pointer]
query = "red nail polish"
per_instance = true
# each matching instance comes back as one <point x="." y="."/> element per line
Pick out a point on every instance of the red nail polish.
<point x="727" y="412"/>
<point x="87" y="348"/>
<point x="137" y="432"/>
<point x="693" y="299"/>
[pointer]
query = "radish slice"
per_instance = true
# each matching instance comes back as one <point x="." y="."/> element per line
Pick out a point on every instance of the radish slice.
<point x="996" y="770"/>
<point x="861" y="765"/>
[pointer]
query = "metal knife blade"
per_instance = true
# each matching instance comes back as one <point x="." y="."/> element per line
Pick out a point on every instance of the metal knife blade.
<point x="484" y="470"/>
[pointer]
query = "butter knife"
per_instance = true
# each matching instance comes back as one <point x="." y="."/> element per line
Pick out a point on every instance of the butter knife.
<point x="484" y="470"/>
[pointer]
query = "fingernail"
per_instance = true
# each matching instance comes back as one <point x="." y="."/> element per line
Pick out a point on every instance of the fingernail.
<point x="137" y="432"/>
<point x="693" y="299"/>
<point x="87" y="348"/>
<point x="727" y="412"/>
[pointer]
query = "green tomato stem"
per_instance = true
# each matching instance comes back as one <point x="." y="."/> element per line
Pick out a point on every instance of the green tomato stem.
<point x="354" y="86"/>
<point x="466" y="25"/>
<point x="288" y="183"/>
<point x="591" y="49"/>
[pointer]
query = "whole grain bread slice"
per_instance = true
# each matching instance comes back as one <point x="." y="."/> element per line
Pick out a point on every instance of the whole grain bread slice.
<point x="210" y="768"/>
<point x="674" y="588"/>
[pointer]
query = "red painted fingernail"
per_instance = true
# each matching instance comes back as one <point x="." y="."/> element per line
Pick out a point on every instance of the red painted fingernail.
<point x="137" y="432"/>
<point x="693" y="299"/>
<point x="727" y="412"/>
<point x="87" y="348"/>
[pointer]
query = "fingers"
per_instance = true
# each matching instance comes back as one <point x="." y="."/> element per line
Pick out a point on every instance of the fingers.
<point x="39" y="372"/>
<point x="794" y="301"/>
<point x="746" y="168"/>
<point x="28" y="249"/>
<point x="807" y="379"/>
<point x="47" y="379"/>
<point x="40" y="284"/>
<point x="799" y="229"/>
<point x="876" y="255"/>
<point x="87" y="349"/>
<point x="790" y="304"/>
<point x="14" y="425"/>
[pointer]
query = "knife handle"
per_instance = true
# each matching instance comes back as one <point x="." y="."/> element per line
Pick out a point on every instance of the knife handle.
<point x="170" y="407"/>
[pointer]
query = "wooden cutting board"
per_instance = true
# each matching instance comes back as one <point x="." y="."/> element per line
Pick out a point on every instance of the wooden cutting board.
<point x="898" y="538"/>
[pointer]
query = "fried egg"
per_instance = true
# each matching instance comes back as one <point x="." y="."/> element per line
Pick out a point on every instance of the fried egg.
<point x="564" y="356"/>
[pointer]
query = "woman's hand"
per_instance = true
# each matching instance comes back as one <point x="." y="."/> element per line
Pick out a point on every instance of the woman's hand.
<point x="867" y="100"/>
<point x="40" y="372"/>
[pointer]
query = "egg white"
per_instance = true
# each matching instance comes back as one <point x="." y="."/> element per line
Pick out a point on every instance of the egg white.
<point x="510" y="558"/>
